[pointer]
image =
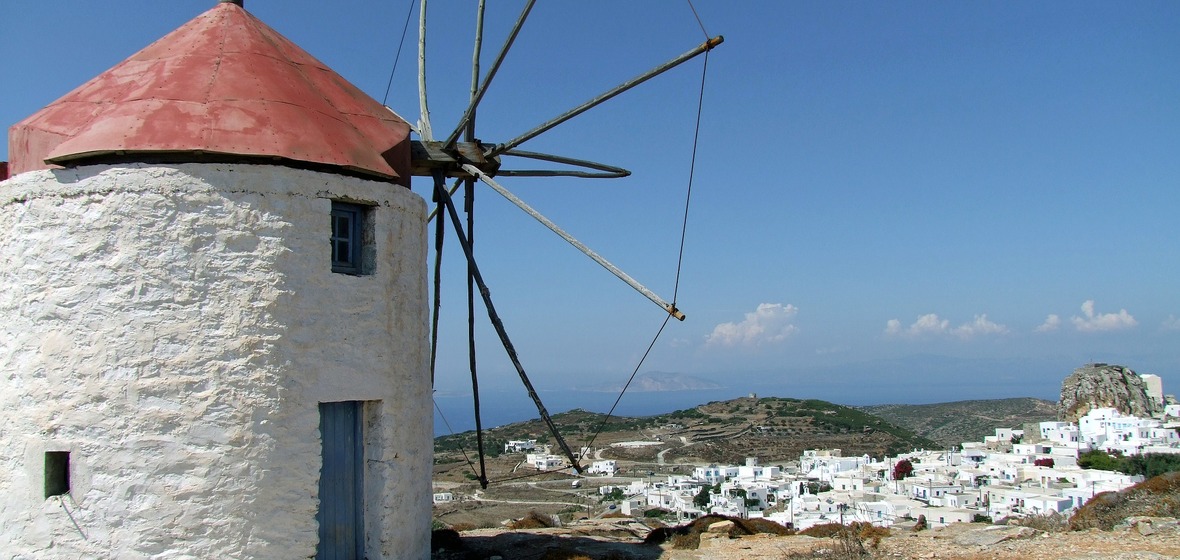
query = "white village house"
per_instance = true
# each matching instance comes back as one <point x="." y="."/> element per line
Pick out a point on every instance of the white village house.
<point x="213" y="319"/>
<point x="520" y="445"/>
<point x="606" y="467"/>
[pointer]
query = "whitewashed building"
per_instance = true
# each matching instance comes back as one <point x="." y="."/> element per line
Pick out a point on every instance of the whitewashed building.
<point x="606" y="467"/>
<point x="520" y="445"/>
<point x="1107" y="428"/>
<point x="544" y="461"/>
<point x="212" y="325"/>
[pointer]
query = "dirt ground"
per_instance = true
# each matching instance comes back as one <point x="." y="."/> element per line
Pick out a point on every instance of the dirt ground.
<point x="619" y="539"/>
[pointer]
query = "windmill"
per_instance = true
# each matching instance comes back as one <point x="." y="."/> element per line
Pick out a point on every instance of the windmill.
<point x="459" y="156"/>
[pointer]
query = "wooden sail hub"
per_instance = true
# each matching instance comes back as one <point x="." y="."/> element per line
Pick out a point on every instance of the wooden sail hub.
<point x="428" y="157"/>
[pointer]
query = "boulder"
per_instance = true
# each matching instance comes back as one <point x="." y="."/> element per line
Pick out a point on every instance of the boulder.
<point x="723" y="527"/>
<point x="1105" y="386"/>
<point x="1146" y="525"/>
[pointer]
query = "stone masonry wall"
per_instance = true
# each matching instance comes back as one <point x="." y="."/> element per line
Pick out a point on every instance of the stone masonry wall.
<point x="174" y="328"/>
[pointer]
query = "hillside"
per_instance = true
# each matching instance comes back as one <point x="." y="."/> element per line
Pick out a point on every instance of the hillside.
<point x="774" y="429"/>
<point x="955" y="422"/>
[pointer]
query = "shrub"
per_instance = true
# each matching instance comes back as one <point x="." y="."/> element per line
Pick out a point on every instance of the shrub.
<point x="1151" y="464"/>
<point x="921" y="525"/>
<point x="686" y="541"/>
<point x="766" y="526"/>
<point x="445" y="539"/>
<point x="823" y="530"/>
<point x="818" y="487"/>
<point x="850" y="540"/>
<point x="689" y="536"/>
<point x="903" y="469"/>
<point x="533" y="520"/>
<point x="1044" y="462"/>
<point x="865" y="531"/>
<point x="614" y="496"/>
<point x="1099" y="460"/>
<point x="701" y="500"/>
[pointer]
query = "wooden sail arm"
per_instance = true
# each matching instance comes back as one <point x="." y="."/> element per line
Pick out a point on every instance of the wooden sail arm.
<point x="668" y="307"/>
<point x="477" y="95"/>
<point x="707" y="46"/>
<point x="599" y="170"/>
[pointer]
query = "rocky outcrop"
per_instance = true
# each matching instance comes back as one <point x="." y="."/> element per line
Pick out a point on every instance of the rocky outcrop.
<point x="1105" y="386"/>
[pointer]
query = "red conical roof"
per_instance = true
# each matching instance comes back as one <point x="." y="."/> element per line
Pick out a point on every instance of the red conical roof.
<point x="223" y="86"/>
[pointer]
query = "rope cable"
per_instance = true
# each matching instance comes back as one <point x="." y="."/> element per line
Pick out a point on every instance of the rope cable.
<point x="698" y="16"/>
<point x="634" y="372"/>
<point x="462" y="449"/>
<point x="680" y="257"/>
<point x="696" y="136"/>
<point x="519" y="477"/>
<point x="396" y="57"/>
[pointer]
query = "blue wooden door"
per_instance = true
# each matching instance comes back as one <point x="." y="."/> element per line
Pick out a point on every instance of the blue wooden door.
<point x="341" y="481"/>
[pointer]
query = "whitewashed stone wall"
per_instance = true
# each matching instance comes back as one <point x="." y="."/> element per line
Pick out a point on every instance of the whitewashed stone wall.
<point x="174" y="328"/>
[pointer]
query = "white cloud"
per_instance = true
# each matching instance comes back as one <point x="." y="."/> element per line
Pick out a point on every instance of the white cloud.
<point x="932" y="324"/>
<point x="980" y="326"/>
<point x="769" y="324"/>
<point x="1171" y="323"/>
<point x="926" y="324"/>
<point x="1052" y="323"/>
<point x="1096" y="322"/>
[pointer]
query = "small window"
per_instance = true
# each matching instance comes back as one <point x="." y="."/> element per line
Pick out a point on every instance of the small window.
<point x="352" y="238"/>
<point x="57" y="473"/>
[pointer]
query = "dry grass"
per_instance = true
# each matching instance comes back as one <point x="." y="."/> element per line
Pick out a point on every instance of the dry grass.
<point x="564" y="555"/>
<point x="1051" y="522"/>
<point x="857" y="541"/>
<point x="823" y="530"/>
<point x="1155" y="497"/>
<point x="862" y="531"/>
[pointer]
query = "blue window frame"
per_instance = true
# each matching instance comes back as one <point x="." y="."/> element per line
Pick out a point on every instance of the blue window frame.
<point x="347" y="229"/>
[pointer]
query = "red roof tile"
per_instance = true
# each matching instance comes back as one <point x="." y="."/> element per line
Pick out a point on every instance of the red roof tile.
<point x="223" y="85"/>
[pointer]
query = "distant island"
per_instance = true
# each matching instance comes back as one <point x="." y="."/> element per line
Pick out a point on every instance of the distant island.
<point x="658" y="381"/>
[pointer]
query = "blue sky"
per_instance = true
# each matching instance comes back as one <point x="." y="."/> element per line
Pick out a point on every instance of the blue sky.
<point x="904" y="201"/>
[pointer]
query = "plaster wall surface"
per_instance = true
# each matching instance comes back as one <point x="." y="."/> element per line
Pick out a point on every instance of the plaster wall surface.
<point x="174" y="327"/>
<point x="1155" y="387"/>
